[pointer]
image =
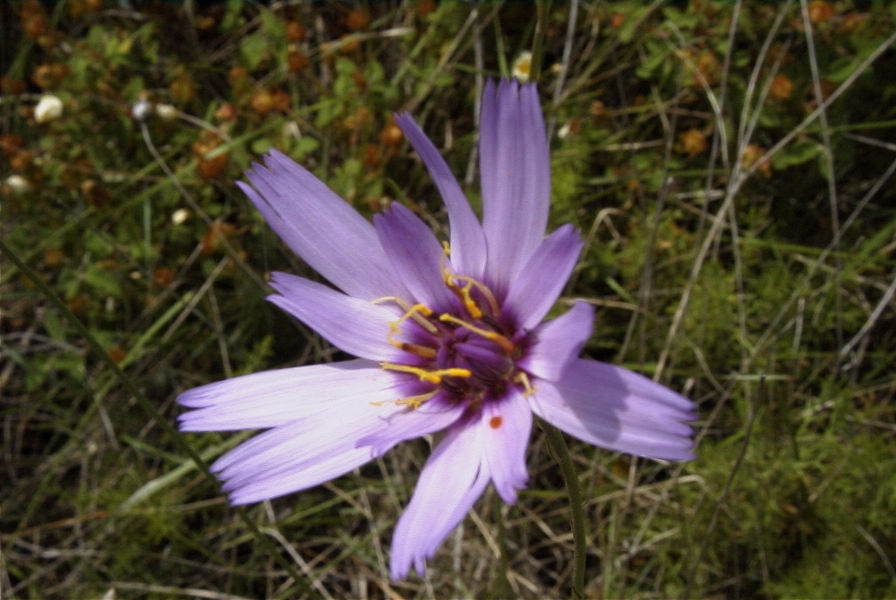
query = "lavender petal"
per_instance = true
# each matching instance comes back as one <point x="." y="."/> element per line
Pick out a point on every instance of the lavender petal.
<point x="355" y="326"/>
<point x="516" y="178"/>
<point x="452" y="479"/>
<point x="306" y="452"/>
<point x="618" y="409"/>
<point x="415" y="254"/>
<point x="432" y="416"/>
<point x="467" y="240"/>
<point x="558" y="342"/>
<point x="273" y="398"/>
<point x="320" y="227"/>
<point x="543" y="277"/>
<point x="506" y="426"/>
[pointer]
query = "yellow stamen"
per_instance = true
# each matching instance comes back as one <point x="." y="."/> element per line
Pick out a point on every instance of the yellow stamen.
<point x="463" y="292"/>
<point x="467" y="300"/>
<point x="433" y="376"/>
<point x="395" y="328"/>
<point x="421" y="351"/>
<point x="494" y="336"/>
<point x="414" y="313"/>
<point x="523" y="378"/>
<point x="394" y="299"/>
<point x="410" y="312"/>
<point x="413" y="401"/>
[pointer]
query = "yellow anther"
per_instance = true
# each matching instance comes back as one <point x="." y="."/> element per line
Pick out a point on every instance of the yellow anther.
<point x="419" y="308"/>
<point x="443" y="268"/>
<point x="421" y="351"/>
<point x="414" y="313"/>
<point x="394" y="299"/>
<point x="506" y="345"/>
<point x="408" y="309"/>
<point x="410" y="312"/>
<point x="413" y="401"/>
<point x="463" y="292"/>
<point x="523" y="378"/>
<point x="429" y="376"/>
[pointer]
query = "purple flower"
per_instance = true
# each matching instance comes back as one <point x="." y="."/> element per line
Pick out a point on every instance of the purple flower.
<point x="449" y="337"/>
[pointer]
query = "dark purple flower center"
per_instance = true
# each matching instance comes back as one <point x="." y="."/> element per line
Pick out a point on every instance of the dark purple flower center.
<point x="468" y="354"/>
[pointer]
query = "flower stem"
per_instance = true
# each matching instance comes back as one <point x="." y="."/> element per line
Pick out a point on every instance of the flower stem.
<point x="501" y="583"/>
<point x="558" y="448"/>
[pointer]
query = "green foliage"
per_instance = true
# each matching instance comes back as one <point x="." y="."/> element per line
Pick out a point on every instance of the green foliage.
<point x="739" y="247"/>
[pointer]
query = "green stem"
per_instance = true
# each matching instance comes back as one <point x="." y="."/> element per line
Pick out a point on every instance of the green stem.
<point x="501" y="583"/>
<point x="558" y="448"/>
<point x="541" y="26"/>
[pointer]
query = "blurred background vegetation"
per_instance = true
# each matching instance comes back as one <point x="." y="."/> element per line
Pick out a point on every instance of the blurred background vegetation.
<point x="729" y="163"/>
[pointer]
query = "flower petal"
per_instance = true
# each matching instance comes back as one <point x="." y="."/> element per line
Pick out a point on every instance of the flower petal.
<point x="506" y="426"/>
<point x="322" y="228"/>
<point x="542" y="279"/>
<point x="356" y="326"/>
<point x="516" y="178"/>
<point x="273" y="398"/>
<point x="354" y="408"/>
<point x="416" y="256"/>
<point x="467" y="240"/>
<point x="617" y="409"/>
<point x="306" y="452"/>
<point x="452" y="479"/>
<point x="433" y="415"/>
<point x="559" y="341"/>
<point x="336" y="462"/>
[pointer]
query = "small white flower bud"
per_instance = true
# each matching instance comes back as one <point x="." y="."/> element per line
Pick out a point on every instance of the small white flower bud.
<point x="522" y="66"/>
<point x="180" y="216"/>
<point x="48" y="108"/>
<point x="166" y="112"/>
<point x="17" y="184"/>
<point x="141" y="109"/>
<point x="564" y="131"/>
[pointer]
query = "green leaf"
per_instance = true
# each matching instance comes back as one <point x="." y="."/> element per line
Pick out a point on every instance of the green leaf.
<point x="797" y="153"/>
<point x="102" y="281"/>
